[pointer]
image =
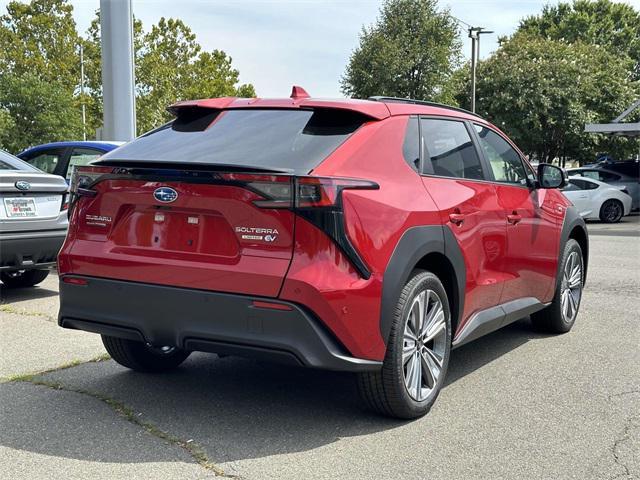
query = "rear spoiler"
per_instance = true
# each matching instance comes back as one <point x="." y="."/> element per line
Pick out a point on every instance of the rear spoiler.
<point x="373" y="110"/>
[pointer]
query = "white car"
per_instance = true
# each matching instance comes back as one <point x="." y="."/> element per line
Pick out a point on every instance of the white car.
<point x="33" y="221"/>
<point x="596" y="200"/>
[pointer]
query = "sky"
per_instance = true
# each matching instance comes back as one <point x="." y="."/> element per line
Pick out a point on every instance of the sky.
<point x="279" y="43"/>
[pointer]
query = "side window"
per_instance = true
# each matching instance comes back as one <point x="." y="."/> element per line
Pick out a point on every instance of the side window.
<point x="571" y="186"/>
<point x="505" y="162"/>
<point x="590" y="174"/>
<point x="81" y="156"/>
<point x="608" y="177"/>
<point x="449" y="151"/>
<point x="584" y="184"/>
<point x="411" y="146"/>
<point x="47" y="161"/>
<point x="531" y="173"/>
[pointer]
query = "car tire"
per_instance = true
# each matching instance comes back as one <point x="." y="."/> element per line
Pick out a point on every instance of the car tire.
<point x="397" y="389"/>
<point x="141" y="357"/>
<point x="561" y="314"/>
<point x="25" y="278"/>
<point x="611" y="211"/>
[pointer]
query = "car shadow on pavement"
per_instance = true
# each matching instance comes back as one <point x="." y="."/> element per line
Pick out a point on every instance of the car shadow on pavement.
<point x="8" y="295"/>
<point x="481" y="352"/>
<point x="234" y="408"/>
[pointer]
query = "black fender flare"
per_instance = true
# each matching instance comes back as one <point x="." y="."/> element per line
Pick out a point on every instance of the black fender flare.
<point x="572" y="219"/>
<point x="416" y="243"/>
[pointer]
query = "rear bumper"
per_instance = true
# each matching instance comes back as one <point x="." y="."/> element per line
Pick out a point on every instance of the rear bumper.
<point x="203" y="321"/>
<point x="30" y="249"/>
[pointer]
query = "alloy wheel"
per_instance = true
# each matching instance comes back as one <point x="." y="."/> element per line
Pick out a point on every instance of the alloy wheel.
<point x="612" y="211"/>
<point x="571" y="288"/>
<point x="424" y="344"/>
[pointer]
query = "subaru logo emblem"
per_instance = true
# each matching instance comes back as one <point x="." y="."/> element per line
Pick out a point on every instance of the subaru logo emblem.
<point x="165" y="194"/>
<point x="22" y="185"/>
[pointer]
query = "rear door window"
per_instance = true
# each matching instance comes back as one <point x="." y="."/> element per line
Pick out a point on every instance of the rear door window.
<point x="289" y="140"/>
<point x="449" y="150"/>
<point x="47" y="160"/>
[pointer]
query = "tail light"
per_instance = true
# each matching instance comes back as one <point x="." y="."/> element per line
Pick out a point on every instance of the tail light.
<point x="317" y="199"/>
<point x="299" y="192"/>
<point x="65" y="202"/>
<point x="83" y="178"/>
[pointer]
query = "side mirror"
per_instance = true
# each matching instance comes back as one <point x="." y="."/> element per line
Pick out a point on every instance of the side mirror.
<point x="550" y="176"/>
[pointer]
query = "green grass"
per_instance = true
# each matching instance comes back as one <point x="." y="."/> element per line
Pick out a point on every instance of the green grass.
<point x="189" y="446"/>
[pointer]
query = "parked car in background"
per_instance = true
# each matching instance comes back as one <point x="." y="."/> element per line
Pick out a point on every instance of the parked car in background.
<point x="58" y="157"/>
<point x="596" y="200"/>
<point x="630" y="168"/>
<point x="616" y="179"/>
<point x="33" y="221"/>
<point x="366" y="236"/>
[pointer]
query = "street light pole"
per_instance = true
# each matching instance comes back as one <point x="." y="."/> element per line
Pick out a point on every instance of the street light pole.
<point x="474" y="35"/>
<point x="84" y="114"/>
<point x="116" y="25"/>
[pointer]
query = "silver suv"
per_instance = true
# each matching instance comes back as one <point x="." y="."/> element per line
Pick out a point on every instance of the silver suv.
<point x="33" y="221"/>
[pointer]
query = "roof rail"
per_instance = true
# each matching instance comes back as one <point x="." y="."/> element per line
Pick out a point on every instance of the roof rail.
<point x="379" y="98"/>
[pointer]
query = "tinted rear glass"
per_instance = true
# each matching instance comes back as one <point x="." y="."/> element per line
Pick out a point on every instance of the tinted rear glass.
<point x="296" y="140"/>
<point x="9" y="162"/>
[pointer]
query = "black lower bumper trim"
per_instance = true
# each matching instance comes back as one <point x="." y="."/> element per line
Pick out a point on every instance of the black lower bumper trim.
<point x="28" y="253"/>
<point x="203" y="321"/>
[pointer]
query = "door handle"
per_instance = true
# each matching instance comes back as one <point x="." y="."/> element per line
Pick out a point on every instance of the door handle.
<point x="456" y="218"/>
<point x="514" y="218"/>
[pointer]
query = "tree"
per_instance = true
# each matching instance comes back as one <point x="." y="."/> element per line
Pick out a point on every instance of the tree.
<point x="542" y="92"/>
<point x="411" y="51"/>
<point x="169" y="66"/>
<point x="6" y="127"/>
<point x="39" y="44"/>
<point x="615" y="26"/>
<point x="38" y="74"/>
<point x="40" y="38"/>
<point x="38" y="112"/>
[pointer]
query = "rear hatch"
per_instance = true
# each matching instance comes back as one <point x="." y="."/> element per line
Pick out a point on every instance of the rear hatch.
<point x="30" y="200"/>
<point x="203" y="202"/>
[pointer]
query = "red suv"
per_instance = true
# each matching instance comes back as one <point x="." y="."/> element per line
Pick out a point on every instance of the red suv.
<point x="370" y="236"/>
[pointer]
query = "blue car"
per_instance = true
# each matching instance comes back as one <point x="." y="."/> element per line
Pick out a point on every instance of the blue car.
<point x="59" y="157"/>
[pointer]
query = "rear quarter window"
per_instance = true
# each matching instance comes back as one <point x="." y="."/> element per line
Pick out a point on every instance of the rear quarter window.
<point x="290" y="140"/>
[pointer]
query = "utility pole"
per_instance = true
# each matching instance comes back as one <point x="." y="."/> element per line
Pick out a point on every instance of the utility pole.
<point x="84" y="114"/>
<point x="474" y="35"/>
<point x="116" y="24"/>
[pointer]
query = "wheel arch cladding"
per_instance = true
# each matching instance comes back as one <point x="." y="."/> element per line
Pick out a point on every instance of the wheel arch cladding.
<point x="574" y="227"/>
<point x="433" y="248"/>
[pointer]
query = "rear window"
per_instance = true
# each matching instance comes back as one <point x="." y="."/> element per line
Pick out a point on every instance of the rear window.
<point x="291" y="140"/>
<point x="9" y="162"/>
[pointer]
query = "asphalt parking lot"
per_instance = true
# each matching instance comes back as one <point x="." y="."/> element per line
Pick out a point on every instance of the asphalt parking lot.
<point x="518" y="404"/>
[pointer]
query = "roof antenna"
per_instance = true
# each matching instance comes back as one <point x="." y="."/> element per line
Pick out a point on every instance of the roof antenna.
<point x="298" y="92"/>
